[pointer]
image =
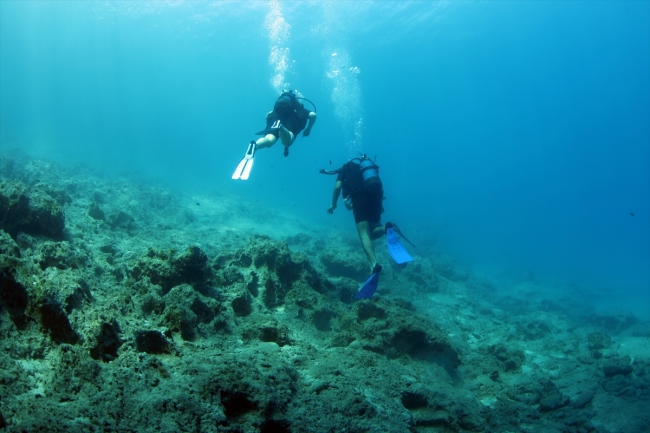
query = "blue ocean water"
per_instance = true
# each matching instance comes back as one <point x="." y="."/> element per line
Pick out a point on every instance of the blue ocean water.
<point x="515" y="136"/>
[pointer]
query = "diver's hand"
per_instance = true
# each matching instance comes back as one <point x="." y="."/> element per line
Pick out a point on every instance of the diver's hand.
<point x="306" y="132"/>
<point x="331" y="209"/>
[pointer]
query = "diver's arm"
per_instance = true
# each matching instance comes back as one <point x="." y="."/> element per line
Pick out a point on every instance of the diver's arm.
<point x="268" y="114"/>
<point x="335" y="196"/>
<point x="312" y="120"/>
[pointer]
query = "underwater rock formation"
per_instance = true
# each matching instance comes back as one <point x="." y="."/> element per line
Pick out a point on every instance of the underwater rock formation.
<point x="108" y="323"/>
<point x="29" y="210"/>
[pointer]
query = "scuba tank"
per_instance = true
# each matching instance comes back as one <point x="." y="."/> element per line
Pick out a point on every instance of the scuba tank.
<point x="369" y="171"/>
<point x="366" y="179"/>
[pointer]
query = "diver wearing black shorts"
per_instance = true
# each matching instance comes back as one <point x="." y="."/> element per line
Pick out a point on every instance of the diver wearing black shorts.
<point x="359" y="181"/>
<point x="285" y="121"/>
<point x="367" y="206"/>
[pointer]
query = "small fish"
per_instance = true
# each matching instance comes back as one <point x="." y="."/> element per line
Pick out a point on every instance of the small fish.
<point x="198" y="204"/>
<point x="631" y="213"/>
<point x="330" y="162"/>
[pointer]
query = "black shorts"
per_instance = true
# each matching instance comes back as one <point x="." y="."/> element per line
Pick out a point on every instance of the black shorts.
<point x="291" y="123"/>
<point x="367" y="206"/>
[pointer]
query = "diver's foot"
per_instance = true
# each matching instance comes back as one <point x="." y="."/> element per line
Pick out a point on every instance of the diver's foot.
<point x="286" y="151"/>
<point x="251" y="148"/>
<point x="376" y="269"/>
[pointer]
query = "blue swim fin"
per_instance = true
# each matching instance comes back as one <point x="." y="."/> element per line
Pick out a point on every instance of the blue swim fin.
<point x="395" y="248"/>
<point x="369" y="287"/>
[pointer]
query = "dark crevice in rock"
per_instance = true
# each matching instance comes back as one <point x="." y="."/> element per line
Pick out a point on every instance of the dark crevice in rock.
<point x="241" y="305"/>
<point x="13" y="297"/>
<point x="152" y="342"/>
<point x="236" y="404"/>
<point x="254" y="285"/>
<point x="153" y="304"/>
<point x="413" y="400"/>
<point x="108" y="342"/>
<point x="272" y="333"/>
<point x="244" y="261"/>
<point x="276" y="426"/>
<point x="367" y="310"/>
<point x="273" y="293"/>
<point x="121" y="220"/>
<point x="418" y="345"/>
<point x="95" y="212"/>
<point x="322" y="320"/>
<point x="202" y="311"/>
<point x="54" y="319"/>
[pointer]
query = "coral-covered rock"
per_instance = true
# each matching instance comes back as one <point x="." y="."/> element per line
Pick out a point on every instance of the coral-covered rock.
<point x="53" y="297"/>
<point x="152" y="342"/>
<point x="61" y="255"/>
<point x="390" y="330"/>
<point x="13" y="295"/>
<point x="617" y="367"/>
<point x="268" y="332"/>
<point x="242" y="305"/>
<point x="30" y="210"/>
<point x="450" y="270"/>
<point x="597" y="342"/>
<point x="345" y="262"/>
<point x="178" y="316"/>
<point x="120" y="220"/>
<point x="54" y="319"/>
<point x="108" y="342"/>
<point x="241" y="334"/>
<point x="551" y="397"/>
<point x="507" y="359"/>
<point x="168" y="268"/>
<point x="95" y="212"/>
<point x="533" y="329"/>
<point x="614" y="321"/>
<point x="583" y="398"/>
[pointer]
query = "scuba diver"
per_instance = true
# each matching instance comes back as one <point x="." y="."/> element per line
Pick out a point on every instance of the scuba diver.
<point x="285" y="121"/>
<point x="363" y="193"/>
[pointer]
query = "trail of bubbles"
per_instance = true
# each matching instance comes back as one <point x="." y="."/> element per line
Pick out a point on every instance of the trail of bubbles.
<point x="337" y="17"/>
<point x="346" y="96"/>
<point x="280" y="56"/>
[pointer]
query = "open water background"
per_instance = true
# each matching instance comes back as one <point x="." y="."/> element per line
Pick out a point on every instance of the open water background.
<point x="513" y="136"/>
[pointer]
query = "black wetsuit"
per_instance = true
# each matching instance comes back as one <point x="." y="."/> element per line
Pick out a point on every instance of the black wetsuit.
<point x="294" y="122"/>
<point x="366" y="202"/>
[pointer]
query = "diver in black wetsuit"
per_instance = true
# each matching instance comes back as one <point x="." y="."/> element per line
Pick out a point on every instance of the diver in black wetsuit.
<point x="285" y="121"/>
<point x="359" y="180"/>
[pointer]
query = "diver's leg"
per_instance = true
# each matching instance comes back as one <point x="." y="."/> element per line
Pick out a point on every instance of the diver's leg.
<point x="363" y="227"/>
<point x="286" y="136"/>
<point x="377" y="231"/>
<point x="267" y="141"/>
<point x="374" y="214"/>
